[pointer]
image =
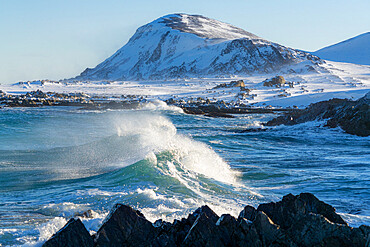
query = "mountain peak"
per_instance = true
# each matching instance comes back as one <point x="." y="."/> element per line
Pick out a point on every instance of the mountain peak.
<point x="204" y="27"/>
<point x="182" y="45"/>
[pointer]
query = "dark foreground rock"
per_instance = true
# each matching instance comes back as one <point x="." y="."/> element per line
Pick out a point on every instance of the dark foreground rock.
<point x="300" y="220"/>
<point x="352" y="116"/>
<point x="125" y="227"/>
<point x="73" y="234"/>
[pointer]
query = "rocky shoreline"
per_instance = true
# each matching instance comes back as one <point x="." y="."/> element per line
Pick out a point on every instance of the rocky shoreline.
<point x="222" y="109"/>
<point x="198" y="106"/>
<point x="39" y="98"/>
<point x="300" y="220"/>
<point x="352" y="116"/>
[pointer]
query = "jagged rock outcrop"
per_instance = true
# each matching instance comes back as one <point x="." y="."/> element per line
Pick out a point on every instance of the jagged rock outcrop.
<point x="308" y="221"/>
<point x="277" y="81"/>
<point x="73" y="234"/>
<point x="238" y="83"/>
<point x="286" y="211"/>
<point x="194" y="46"/>
<point x="37" y="94"/>
<point x="300" y="220"/>
<point x="352" y="116"/>
<point x="125" y="227"/>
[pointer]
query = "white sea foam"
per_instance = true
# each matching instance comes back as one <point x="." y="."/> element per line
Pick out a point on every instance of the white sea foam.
<point x="98" y="192"/>
<point x="162" y="106"/>
<point x="65" y="209"/>
<point x="154" y="133"/>
<point x="93" y="223"/>
<point x="144" y="136"/>
<point x="179" y="173"/>
<point x="190" y="163"/>
<point x="45" y="231"/>
<point x="355" y="220"/>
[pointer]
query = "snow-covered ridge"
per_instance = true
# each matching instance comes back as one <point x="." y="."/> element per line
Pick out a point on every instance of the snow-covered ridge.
<point x="205" y="27"/>
<point x="332" y="80"/>
<point x="193" y="46"/>
<point x="354" y="50"/>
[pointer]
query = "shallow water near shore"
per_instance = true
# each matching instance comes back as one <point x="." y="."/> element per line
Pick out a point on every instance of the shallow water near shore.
<point x="57" y="162"/>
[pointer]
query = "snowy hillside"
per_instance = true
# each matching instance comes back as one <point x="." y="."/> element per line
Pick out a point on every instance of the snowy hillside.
<point x="355" y="50"/>
<point x="332" y="80"/>
<point x="193" y="46"/>
<point x="186" y="57"/>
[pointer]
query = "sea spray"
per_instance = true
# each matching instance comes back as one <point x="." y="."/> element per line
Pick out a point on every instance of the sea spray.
<point x="158" y="105"/>
<point x="155" y="133"/>
<point x="166" y="164"/>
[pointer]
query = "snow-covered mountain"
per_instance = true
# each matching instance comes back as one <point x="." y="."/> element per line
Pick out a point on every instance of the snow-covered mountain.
<point x="193" y="46"/>
<point x="355" y="50"/>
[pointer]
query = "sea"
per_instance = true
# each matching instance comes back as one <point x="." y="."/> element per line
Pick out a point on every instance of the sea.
<point x="63" y="162"/>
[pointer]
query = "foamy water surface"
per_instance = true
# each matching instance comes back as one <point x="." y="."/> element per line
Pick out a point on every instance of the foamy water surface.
<point x="59" y="162"/>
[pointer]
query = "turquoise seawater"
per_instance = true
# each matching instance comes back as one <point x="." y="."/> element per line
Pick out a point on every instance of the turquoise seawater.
<point x="58" y="162"/>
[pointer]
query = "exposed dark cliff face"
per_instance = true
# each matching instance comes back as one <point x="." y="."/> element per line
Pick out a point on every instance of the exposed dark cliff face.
<point x="300" y="220"/>
<point x="352" y="116"/>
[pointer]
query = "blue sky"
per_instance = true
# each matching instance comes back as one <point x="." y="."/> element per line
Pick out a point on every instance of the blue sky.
<point x="56" y="39"/>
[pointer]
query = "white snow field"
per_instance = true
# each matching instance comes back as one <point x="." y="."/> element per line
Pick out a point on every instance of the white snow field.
<point x="337" y="80"/>
<point x="355" y="50"/>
